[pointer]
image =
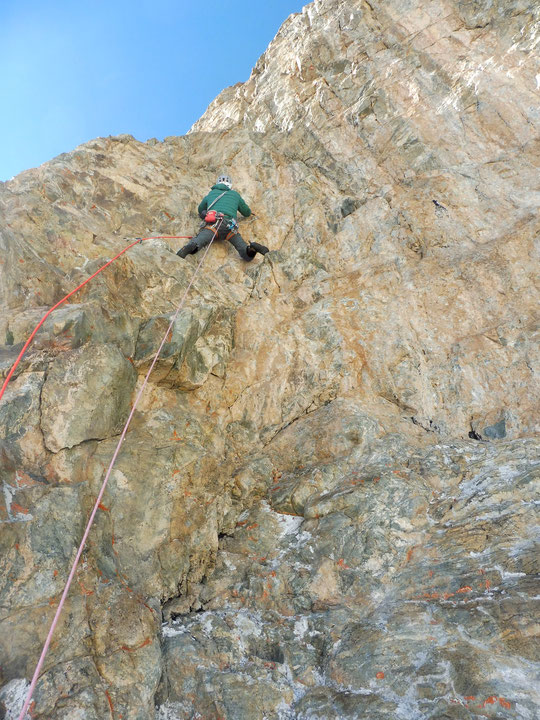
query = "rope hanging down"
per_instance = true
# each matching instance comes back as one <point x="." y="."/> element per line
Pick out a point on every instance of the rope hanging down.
<point x="101" y="492"/>
<point x="63" y="300"/>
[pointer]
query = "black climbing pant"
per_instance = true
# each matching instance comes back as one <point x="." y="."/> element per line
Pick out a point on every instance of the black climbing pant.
<point x="222" y="232"/>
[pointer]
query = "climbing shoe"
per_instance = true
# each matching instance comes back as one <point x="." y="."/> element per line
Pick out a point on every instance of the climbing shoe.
<point x="186" y="250"/>
<point x="256" y="247"/>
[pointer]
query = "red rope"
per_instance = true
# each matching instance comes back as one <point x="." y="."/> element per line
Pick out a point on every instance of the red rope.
<point x="40" y="323"/>
<point x="103" y="486"/>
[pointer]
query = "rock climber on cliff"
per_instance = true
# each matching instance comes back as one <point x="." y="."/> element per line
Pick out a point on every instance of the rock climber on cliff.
<point x="218" y="210"/>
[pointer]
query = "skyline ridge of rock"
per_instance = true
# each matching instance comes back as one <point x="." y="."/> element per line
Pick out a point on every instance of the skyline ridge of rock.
<point x="325" y="505"/>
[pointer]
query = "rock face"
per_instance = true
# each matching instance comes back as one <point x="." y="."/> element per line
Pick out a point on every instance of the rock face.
<point x="324" y="507"/>
<point x="85" y="396"/>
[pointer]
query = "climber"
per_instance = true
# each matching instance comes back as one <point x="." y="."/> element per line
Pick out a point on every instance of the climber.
<point x="218" y="211"/>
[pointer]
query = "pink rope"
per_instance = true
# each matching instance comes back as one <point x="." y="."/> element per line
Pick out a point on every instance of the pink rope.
<point x="101" y="492"/>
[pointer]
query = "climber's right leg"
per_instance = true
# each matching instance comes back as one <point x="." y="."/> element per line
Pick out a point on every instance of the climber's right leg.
<point x="237" y="241"/>
<point x="202" y="239"/>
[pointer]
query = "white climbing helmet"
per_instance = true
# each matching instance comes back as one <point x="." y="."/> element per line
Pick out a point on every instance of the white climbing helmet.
<point x="225" y="180"/>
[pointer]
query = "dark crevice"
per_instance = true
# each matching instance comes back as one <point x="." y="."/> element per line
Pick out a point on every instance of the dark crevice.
<point x="431" y="427"/>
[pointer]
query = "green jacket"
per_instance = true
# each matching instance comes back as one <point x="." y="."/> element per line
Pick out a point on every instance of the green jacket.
<point x="229" y="204"/>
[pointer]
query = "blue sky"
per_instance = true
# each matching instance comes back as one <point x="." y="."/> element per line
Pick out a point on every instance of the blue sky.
<point x="71" y="71"/>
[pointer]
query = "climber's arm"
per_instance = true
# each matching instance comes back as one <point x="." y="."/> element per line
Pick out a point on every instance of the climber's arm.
<point x="243" y="207"/>
<point x="203" y="205"/>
